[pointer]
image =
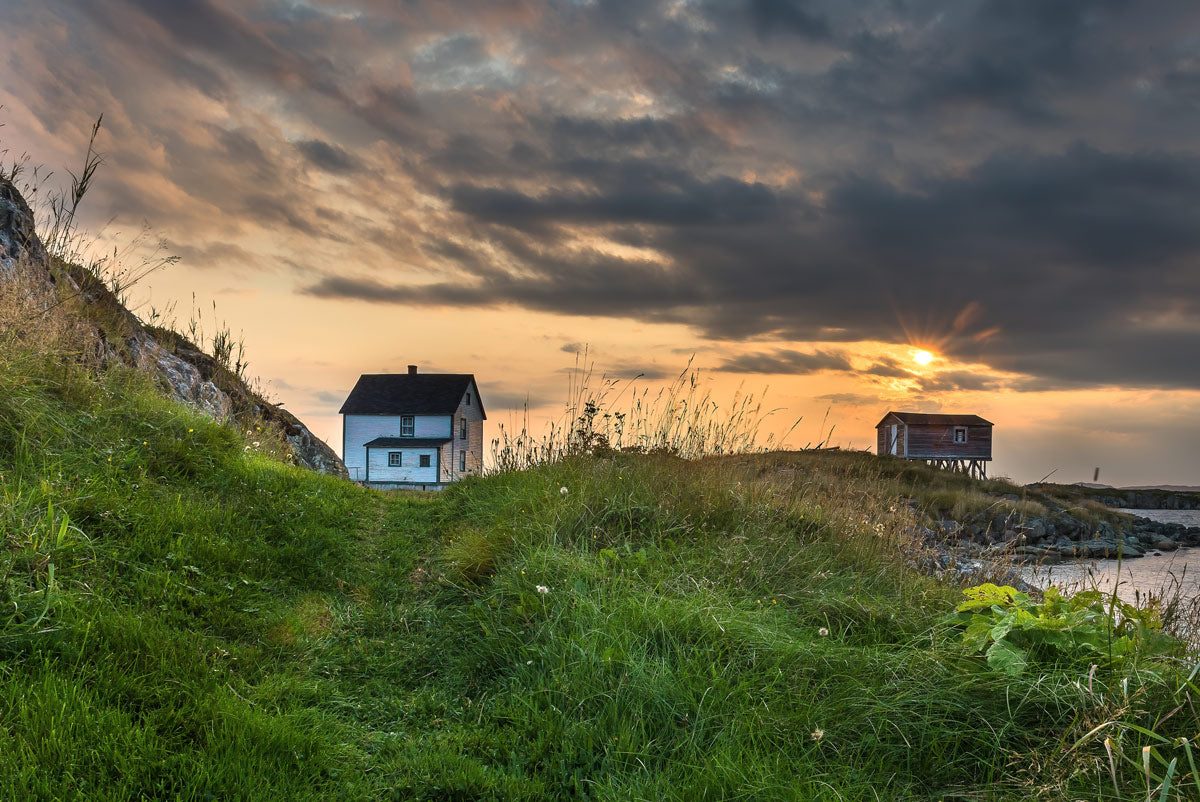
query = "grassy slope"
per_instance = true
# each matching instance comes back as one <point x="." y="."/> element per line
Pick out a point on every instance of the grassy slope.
<point x="186" y="618"/>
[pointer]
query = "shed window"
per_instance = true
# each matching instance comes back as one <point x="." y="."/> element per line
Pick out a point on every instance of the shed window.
<point x="406" y="426"/>
<point x="394" y="459"/>
<point x="424" y="460"/>
<point x="960" y="434"/>
<point x="462" y="460"/>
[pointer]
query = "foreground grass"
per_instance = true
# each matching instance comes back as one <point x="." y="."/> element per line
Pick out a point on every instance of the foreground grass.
<point x="186" y="618"/>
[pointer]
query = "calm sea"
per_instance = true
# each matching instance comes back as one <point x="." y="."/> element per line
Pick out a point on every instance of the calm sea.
<point x="1149" y="574"/>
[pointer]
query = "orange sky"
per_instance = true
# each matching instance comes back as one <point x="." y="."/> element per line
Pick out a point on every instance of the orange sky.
<point x="308" y="353"/>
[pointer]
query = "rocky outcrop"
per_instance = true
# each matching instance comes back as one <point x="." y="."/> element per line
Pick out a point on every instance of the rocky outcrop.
<point x="1132" y="498"/>
<point x="182" y="379"/>
<point x="184" y="371"/>
<point x="1059" y="536"/>
<point x="1150" y="500"/>
<point x="20" y="247"/>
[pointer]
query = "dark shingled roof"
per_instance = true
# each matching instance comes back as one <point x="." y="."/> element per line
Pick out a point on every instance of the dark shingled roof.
<point x="935" y="419"/>
<point x="409" y="394"/>
<point x="407" y="442"/>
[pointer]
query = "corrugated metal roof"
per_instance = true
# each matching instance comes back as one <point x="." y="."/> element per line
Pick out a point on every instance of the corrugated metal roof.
<point x="935" y="419"/>
<point x="407" y="442"/>
<point x="409" y="394"/>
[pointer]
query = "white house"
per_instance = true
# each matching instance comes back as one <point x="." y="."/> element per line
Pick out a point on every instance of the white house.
<point x="413" y="430"/>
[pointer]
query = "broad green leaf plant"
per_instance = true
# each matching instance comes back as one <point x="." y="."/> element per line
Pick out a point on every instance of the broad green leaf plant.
<point x="1013" y="631"/>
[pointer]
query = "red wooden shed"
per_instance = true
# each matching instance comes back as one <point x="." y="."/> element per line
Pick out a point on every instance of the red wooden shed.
<point x="955" y="442"/>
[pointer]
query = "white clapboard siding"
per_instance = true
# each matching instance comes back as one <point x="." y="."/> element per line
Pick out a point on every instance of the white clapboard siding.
<point x="429" y="426"/>
<point x="361" y="429"/>
<point x="409" y="470"/>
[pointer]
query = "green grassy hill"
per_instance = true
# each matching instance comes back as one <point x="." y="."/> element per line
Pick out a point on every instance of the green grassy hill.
<point x="182" y="616"/>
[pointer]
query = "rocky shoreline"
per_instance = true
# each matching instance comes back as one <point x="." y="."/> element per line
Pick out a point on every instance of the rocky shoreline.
<point x="1146" y="499"/>
<point x="1060" y="536"/>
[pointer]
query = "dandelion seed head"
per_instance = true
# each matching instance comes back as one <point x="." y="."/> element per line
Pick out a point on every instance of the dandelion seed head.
<point x="562" y="491"/>
<point x="543" y="589"/>
<point x="823" y="632"/>
<point x="817" y="735"/>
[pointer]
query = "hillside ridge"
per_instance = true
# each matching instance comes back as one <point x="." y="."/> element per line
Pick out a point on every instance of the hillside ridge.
<point x="181" y="368"/>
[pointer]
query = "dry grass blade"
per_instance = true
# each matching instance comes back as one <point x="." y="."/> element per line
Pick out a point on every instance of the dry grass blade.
<point x="1112" y="766"/>
<point x="681" y="419"/>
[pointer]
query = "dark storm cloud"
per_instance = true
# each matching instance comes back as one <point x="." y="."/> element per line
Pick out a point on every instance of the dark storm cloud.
<point x="327" y="397"/>
<point x="957" y="380"/>
<point x="650" y="373"/>
<point x="723" y="201"/>
<point x="801" y="170"/>
<point x="1055" y="254"/>
<point x="787" y="362"/>
<point x="499" y="399"/>
<point x="788" y="16"/>
<point x="330" y="158"/>
<point x="888" y="369"/>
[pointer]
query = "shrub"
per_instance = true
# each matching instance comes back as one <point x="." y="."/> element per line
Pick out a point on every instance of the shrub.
<point x="1012" y="630"/>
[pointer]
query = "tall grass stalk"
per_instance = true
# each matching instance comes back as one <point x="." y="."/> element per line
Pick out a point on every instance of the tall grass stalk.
<point x="605" y="415"/>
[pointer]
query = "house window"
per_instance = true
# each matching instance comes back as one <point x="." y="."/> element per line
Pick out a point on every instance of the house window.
<point x="394" y="459"/>
<point x="960" y="434"/>
<point x="462" y="460"/>
<point x="462" y="429"/>
<point x="424" y="460"/>
<point x="468" y="399"/>
<point x="407" y="427"/>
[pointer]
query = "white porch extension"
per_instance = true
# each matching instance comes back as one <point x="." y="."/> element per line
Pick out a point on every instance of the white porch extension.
<point x="403" y="460"/>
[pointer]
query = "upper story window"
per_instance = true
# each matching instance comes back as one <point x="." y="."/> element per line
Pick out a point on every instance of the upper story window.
<point x="394" y="459"/>
<point x="960" y="434"/>
<point x="462" y="429"/>
<point x="407" y="426"/>
<point x="468" y="399"/>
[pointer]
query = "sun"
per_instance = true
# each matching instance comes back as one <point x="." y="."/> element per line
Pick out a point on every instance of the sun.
<point x="922" y="357"/>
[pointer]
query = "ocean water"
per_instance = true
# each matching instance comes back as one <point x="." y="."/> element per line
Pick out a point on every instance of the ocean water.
<point x="1156" y="574"/>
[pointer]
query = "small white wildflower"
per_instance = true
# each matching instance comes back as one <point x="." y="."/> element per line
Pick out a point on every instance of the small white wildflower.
<point x="823" y="632"/>
<point x="528" y="662"/>
<point x="543" y="589"/>
<point x="562" y="491"/>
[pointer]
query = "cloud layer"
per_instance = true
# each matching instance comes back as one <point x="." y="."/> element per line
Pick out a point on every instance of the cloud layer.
<point x="1015" y="183"/>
